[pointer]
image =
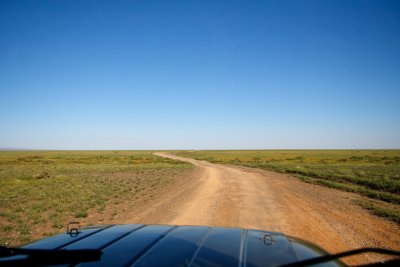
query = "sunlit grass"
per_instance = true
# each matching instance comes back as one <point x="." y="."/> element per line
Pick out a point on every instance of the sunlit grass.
<point x="40" y="191"/>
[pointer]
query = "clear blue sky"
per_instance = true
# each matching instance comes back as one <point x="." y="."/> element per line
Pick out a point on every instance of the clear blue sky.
<point x="199" y="74"/>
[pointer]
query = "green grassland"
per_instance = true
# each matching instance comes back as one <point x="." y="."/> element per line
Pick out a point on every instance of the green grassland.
<point x="374" y="174"/>
<point x="41" y="191"/>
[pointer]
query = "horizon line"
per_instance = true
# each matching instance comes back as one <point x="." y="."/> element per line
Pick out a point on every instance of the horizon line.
<point x="212" y="149"/>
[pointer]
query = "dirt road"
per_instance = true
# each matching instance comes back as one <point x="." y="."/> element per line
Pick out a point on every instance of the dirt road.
<point x="219" y="195"/>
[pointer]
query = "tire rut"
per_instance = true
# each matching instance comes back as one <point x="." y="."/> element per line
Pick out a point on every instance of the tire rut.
<point x="221" y="195"/>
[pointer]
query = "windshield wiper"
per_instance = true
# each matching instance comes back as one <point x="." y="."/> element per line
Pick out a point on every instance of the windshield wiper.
<point x="34" y="257"/>
<point x="333" y="257"/>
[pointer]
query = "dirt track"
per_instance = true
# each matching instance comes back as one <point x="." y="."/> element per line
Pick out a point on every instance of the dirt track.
<point x="219" y="195"/>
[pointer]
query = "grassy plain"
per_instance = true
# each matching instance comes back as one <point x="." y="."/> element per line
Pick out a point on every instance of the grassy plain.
<point x="374" y="174"/>
<point x="41" y="191"/>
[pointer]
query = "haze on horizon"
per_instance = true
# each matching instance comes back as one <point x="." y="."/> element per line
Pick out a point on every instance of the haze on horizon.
<point x="199" y="74"/>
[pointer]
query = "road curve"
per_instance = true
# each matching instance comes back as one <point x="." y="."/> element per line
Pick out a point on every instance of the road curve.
<point x="220" y="195"/>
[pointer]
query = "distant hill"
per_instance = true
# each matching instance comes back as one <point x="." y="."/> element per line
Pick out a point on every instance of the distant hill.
<point x="12" y="148"/>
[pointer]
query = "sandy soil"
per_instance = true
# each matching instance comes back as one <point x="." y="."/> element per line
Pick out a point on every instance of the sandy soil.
<point x="219" y="195"/>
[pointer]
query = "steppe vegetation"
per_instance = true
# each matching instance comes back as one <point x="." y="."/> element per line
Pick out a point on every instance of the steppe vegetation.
<point x="374" y="174"/>
<point x="41" y="191"/>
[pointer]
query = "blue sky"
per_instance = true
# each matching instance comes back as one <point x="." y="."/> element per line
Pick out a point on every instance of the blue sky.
<point x="199" y="74"/>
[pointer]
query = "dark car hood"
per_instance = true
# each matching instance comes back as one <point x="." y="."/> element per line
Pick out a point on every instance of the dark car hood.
<point x="169" y="245"/>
